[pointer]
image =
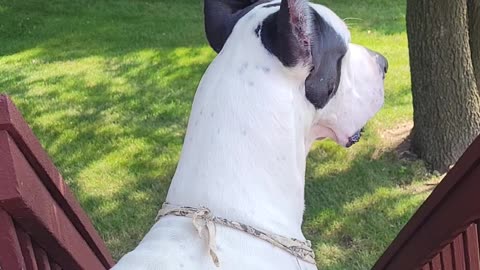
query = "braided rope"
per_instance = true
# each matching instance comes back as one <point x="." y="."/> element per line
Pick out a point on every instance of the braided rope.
<point x="203" y="220"/>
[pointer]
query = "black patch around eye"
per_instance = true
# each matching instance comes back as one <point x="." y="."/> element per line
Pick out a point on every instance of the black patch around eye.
<point x="339" y="72"/>
<point x="330" y="90"/>
<point x="328" y="50"/>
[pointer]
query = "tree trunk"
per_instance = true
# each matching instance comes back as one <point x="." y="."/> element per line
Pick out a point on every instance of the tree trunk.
<point x="474" y="29"/>
<point x="446" y="102"/>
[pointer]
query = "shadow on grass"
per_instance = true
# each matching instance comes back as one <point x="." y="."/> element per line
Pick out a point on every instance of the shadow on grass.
<point x="107" y="87"/>
<point x="355" y="209"/>
<point x="67" y="30"/>
<point x="116" y="139"/>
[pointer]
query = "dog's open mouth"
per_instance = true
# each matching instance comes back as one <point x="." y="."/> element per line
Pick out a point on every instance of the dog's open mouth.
<point x="340" y="138"/>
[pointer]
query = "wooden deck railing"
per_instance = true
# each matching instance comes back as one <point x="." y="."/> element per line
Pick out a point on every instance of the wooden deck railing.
<point x="42" y="226"/>
<point x="443" y="233"/>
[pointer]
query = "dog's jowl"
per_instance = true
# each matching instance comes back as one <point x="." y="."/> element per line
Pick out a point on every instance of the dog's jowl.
<point x="286" y="75"/>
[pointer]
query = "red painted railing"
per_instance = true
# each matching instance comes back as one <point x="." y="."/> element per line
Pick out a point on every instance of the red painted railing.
<point x="42" y="226"/>
<point x="443" y="233"/>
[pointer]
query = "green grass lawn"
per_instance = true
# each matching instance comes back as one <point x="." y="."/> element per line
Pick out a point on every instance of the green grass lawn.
<point x="107" y="87"/>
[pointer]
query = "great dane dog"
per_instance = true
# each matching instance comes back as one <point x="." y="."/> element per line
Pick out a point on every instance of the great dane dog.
<point x="286" y="75"/>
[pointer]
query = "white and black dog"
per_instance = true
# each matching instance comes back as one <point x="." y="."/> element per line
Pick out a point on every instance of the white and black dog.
<point x="285" y="76"/>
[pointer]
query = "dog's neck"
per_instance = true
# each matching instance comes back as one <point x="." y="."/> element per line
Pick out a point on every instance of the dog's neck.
<point x="246" y="144"/>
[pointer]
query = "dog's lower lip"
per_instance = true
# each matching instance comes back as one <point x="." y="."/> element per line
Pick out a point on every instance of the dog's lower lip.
<point x="355" y="138"/>
<point x="343" y="140"/>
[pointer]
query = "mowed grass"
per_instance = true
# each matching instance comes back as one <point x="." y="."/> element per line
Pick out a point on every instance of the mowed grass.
<point x="107" y="87"/>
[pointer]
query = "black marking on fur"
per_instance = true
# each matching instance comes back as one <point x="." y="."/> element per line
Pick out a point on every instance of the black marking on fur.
<point x="274" y="46"/>
<point x="327" y="48"/>
<point x="257" y="30"/>
<point x="221" y="17"/>
<point x="263" y="68"/>
<point x="243" y="68"/>
<point x="285" y="34"/>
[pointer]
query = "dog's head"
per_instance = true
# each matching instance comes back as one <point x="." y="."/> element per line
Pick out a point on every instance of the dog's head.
<point x="343" y="82"/>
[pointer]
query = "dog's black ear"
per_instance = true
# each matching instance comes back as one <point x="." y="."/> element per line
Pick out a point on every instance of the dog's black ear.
<point x="221" y="16"/>
<point x="288" y="33"/>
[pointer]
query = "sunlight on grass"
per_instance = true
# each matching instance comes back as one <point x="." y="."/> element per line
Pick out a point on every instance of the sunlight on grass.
<point x="329" y="255"/>
<point x="107" y="88"/>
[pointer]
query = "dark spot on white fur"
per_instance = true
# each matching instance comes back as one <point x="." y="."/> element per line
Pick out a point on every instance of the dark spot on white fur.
<point x="263" y="68"/>
<point x="243" y="68"/>
<point x="250" y="83"/>
<point x="244" y="132"/>
<point x="212" y="114"/>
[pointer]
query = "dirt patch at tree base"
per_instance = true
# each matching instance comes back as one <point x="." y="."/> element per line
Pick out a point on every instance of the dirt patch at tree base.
<point x="398" y="140"/>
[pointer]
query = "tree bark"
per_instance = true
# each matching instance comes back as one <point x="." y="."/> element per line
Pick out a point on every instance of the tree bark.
<point x="474" y="31"/>
<point x="446" y="101"/>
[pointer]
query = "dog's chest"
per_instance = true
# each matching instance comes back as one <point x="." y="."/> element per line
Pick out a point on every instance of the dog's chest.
<point x="174" y="244"/>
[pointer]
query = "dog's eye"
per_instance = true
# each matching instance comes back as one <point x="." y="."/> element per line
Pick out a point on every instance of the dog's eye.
<point x="331" y="88"/>
<point x="330" y="91"/>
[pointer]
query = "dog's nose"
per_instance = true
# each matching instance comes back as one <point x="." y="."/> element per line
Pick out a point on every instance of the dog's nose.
<point x="382" y="62"/>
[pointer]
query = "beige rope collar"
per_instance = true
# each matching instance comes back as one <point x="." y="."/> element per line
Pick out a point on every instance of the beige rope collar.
<point x="204" y="221"/>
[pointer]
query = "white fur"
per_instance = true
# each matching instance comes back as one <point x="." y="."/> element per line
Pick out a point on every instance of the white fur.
<point x="244" y="156"/>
